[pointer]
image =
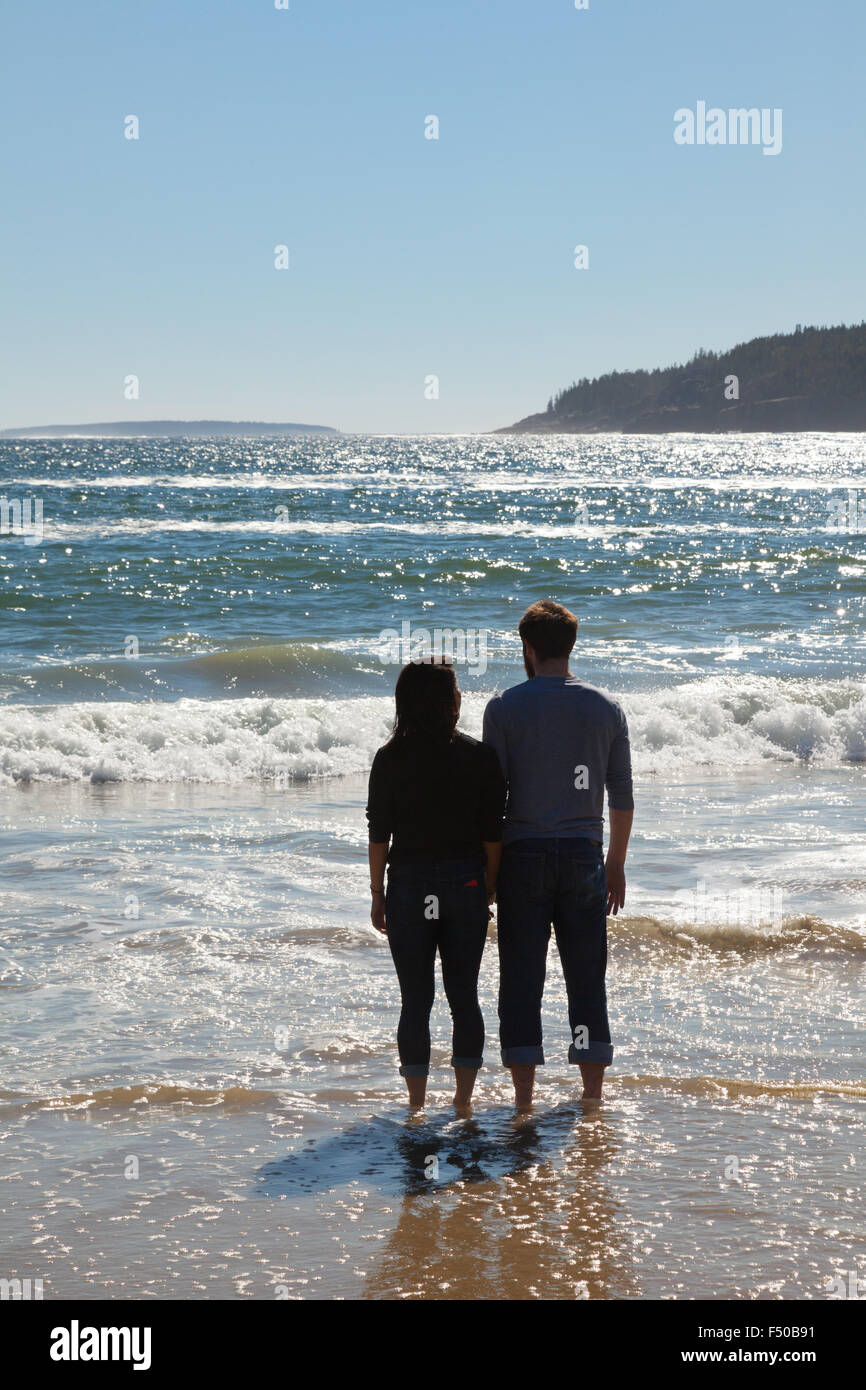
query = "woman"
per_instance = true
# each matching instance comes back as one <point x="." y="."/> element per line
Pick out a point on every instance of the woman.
<point x="437" y="797"/>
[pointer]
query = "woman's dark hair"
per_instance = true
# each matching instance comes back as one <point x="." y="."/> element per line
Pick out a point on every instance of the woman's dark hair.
<point x="428" y="702"/>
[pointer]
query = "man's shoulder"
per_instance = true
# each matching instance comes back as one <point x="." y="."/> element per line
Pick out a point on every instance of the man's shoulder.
<point x="591" y="699"/>
<point x="512" y="696"/>
<point x="597" y="699"/>
<point x="529" y="690"/>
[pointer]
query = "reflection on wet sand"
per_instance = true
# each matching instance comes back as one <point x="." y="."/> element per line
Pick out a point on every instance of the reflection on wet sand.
<point x="546" y="1227"/>
<point x="491" y="1208"/>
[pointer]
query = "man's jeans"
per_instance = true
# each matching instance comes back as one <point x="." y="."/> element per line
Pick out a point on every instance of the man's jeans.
<point x="559" y="882"/>
<point x="455" y="891"/>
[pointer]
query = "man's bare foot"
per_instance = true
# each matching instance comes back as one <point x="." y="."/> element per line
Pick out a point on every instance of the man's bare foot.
<point x="593" y="1076"/>
<point x="523" y="1076"/>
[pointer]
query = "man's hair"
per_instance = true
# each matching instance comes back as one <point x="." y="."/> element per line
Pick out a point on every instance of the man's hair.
<point x="550" y="629"/>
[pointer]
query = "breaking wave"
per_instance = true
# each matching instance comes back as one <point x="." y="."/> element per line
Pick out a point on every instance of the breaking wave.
<point x="720" y="1087"/>
<point x="727" y="722"/>
<point x="799" y="934"/>
<point x="143" y="1095"/>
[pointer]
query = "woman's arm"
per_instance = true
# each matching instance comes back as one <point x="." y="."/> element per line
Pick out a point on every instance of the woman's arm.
<point x="380" y="822"/>
<point x="493" y="851"/>
<point x="378" y="855"/>
<point x="492" y="814"/>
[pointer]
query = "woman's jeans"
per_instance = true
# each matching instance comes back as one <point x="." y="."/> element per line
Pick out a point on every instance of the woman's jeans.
<point x="558" y="882"/>
<point x="438" y="904"/>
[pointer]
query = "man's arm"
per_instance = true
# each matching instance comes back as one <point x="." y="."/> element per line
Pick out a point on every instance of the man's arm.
<point x="620" y="803"/>
<point x="614" y="864"/>
<point x="494" y="735"/>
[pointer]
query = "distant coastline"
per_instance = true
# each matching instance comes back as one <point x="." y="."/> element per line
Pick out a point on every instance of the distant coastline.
<point x="164" y="429"/>
<point x="811" y="379"/>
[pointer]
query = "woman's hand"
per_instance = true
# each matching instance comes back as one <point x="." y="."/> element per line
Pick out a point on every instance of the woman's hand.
<point x="493" y="855"/>
<point x="378" y="855"/>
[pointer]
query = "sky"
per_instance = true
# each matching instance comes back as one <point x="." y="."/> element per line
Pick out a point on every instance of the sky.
<point x="409" y="258"/>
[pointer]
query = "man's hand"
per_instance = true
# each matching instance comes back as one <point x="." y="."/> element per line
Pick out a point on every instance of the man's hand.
<point x="614" y="872"/>
<point x="377" y="912"/>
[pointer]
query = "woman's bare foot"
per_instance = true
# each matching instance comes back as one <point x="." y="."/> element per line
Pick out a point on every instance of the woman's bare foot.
<point x="464" y="1078"/>
<point x="523" y="1077"/>
<point x="417" y="1088"/>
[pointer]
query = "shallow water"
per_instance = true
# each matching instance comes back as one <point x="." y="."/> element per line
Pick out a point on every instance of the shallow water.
<point x="236" y="1041"/>
<point x="199" y="1093"/>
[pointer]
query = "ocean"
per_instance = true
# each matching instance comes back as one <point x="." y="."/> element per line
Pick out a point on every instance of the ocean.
<point x="199" y="1096"/>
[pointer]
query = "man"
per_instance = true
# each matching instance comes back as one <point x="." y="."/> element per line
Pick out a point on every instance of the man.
<point x="560" y="743"/>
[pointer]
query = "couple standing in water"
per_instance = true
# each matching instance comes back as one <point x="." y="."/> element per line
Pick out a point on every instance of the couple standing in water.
<point x="519" y="817"/>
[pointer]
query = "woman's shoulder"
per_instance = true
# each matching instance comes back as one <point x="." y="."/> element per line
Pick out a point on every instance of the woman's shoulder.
<point x="464" y="741"/>
<point x="472" y="747"/>
<point x="394" y="752"/>
<point x="481" y="758"/>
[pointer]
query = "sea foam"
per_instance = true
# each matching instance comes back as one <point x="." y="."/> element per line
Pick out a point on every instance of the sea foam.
<point x="726" y="722"/>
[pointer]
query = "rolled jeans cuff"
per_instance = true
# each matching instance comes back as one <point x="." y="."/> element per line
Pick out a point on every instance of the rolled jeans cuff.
<point x="415" y="1069"/>
<point x="594" y="1052"/>
<point x="470" y="1063"/>
<point x="523" y="1056"/>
